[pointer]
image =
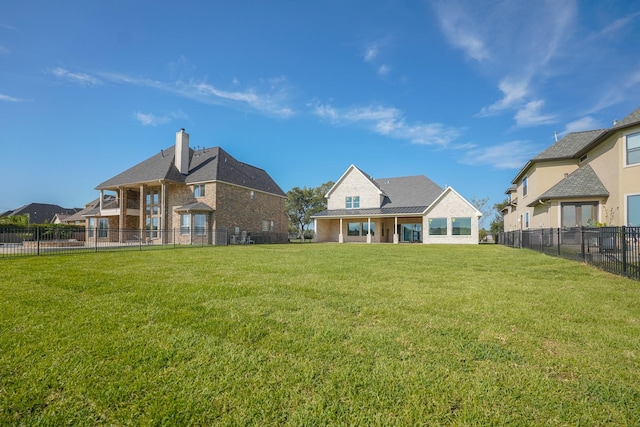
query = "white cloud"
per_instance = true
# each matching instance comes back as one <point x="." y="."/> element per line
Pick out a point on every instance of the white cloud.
<point x="514" y="41"/>
<point x="8" y="98"/>
<point x="530" y="115"/>
<point x="510" y="155"/>
<point x="271" y="99"/>
<point x="514" y="92"/>
<point x="581" y="124"/>
<point x="371" y="53"/>
<point x="82" y="79"/>
<point x="459" y="28"/>
<point x="389" y="121"/>
<point x="617" y="25"/>
<point x="150" y="119"/>
<point x="383" y="70"/>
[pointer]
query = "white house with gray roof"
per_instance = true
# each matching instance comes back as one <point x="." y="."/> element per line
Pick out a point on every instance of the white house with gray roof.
<point x="585" y="178"/>
<point x="186" y="194"/>
<point x="411" y="209"/>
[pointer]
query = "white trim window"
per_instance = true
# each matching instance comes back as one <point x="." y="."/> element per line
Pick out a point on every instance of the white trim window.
<point x="632" y="149"/>
<point x="525" y="186"/>
<point x="198" y="190"/>
<point x="352" y="202"/>
<point x="633" y="210"/>
<point x="185" y="223"/>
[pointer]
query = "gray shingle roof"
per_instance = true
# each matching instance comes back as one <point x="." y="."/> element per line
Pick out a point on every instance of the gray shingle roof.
<point x="568" y="146"/>
<point x="209" y="164"/>
<point x="632" y="118"/>
<point x="39" y="213"/>
<point x="408" y="191"/>
<point x="194" y="207"/>
<point x="403" y="195"/>
<point x="583" y="182"/>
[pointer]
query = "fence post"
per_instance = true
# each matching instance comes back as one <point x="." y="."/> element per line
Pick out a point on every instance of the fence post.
<point x="623" y="243"/>
<point x="37" y="240"/>
<point x="558" y="233"/>
<point x="582" y="242"/>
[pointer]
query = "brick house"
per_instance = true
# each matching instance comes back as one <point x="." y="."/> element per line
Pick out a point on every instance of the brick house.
<point x="411" y="209"/>
<point x="182" y="195"/>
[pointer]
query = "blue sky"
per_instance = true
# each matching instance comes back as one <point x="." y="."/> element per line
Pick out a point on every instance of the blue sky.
<point x="464" y="92"/>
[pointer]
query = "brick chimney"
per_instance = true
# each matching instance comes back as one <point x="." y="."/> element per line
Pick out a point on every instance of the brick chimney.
<point x="182" y="152"/>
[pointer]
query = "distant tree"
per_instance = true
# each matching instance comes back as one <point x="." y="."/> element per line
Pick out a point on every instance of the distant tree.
<point x="18" y="220"/>
<point x="485" y="210"/>
<point x="497" y="225"/>
<point x="304" y="202"/>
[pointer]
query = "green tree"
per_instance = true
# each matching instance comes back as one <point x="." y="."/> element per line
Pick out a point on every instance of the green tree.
<point x="304" y="202"/>
<point x="17" y="220"/>
<point x="497" y="225"/>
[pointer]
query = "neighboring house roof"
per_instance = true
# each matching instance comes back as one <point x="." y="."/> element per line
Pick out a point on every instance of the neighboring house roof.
<point x="569" y="146"/>
<point x="205" y="165"/>
<point x="630" y="120"/>
<point x="583" y="182"/>
<point x="403" y="195"/>
<point x="39" y="213"/>
<point x="576" y="144"/>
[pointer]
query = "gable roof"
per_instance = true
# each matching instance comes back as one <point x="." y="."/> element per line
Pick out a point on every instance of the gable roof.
<point x="583" y="182"/>
<point x="451" y="190"/>
<point x="344" y="175"/>
<point x="402" y="195"/>
<point x="207" y="164"/>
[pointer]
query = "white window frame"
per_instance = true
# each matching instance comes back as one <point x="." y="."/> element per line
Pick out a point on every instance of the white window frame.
<point x="199" y="190"/>
<point x="626" y="207"/>
<point x="626" y="149"/>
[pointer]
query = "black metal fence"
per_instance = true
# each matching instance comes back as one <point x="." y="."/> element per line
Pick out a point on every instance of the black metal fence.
<point x="43" y="240"/>
<point x="613" y="249"/>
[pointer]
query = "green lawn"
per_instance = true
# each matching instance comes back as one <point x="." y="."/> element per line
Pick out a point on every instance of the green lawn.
<point x="317" y="334"/>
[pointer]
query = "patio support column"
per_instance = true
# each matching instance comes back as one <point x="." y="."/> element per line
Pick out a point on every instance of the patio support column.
<point x="368" y="230"/>
<point x="142" y="210"/>
<point x="162" y="224"/>
<point x="315" y="230"/>
<point x="121" y="214"/>
<point x="396" y="236"/>
<point x="340" y="235"/>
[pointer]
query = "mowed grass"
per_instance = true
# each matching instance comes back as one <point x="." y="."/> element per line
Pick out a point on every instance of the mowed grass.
<point x="318" y="334"/>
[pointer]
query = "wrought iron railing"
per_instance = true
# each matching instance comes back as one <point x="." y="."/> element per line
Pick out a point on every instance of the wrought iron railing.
<point x="613" y="249"/>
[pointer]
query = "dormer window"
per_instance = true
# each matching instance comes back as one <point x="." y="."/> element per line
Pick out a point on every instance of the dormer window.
<point x="352" y="202"/>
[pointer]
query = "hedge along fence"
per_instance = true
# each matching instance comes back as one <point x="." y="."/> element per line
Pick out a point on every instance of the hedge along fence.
<point x="34" y="232"/>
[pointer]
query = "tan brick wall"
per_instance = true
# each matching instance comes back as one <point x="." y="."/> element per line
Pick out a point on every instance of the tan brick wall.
<point x="246" y="209"/>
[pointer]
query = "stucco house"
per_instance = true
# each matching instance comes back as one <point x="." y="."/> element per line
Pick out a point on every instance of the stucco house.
<point x="583" y="179"/>
<point x="189" y="195"/>
<point x="410" y="209"/>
